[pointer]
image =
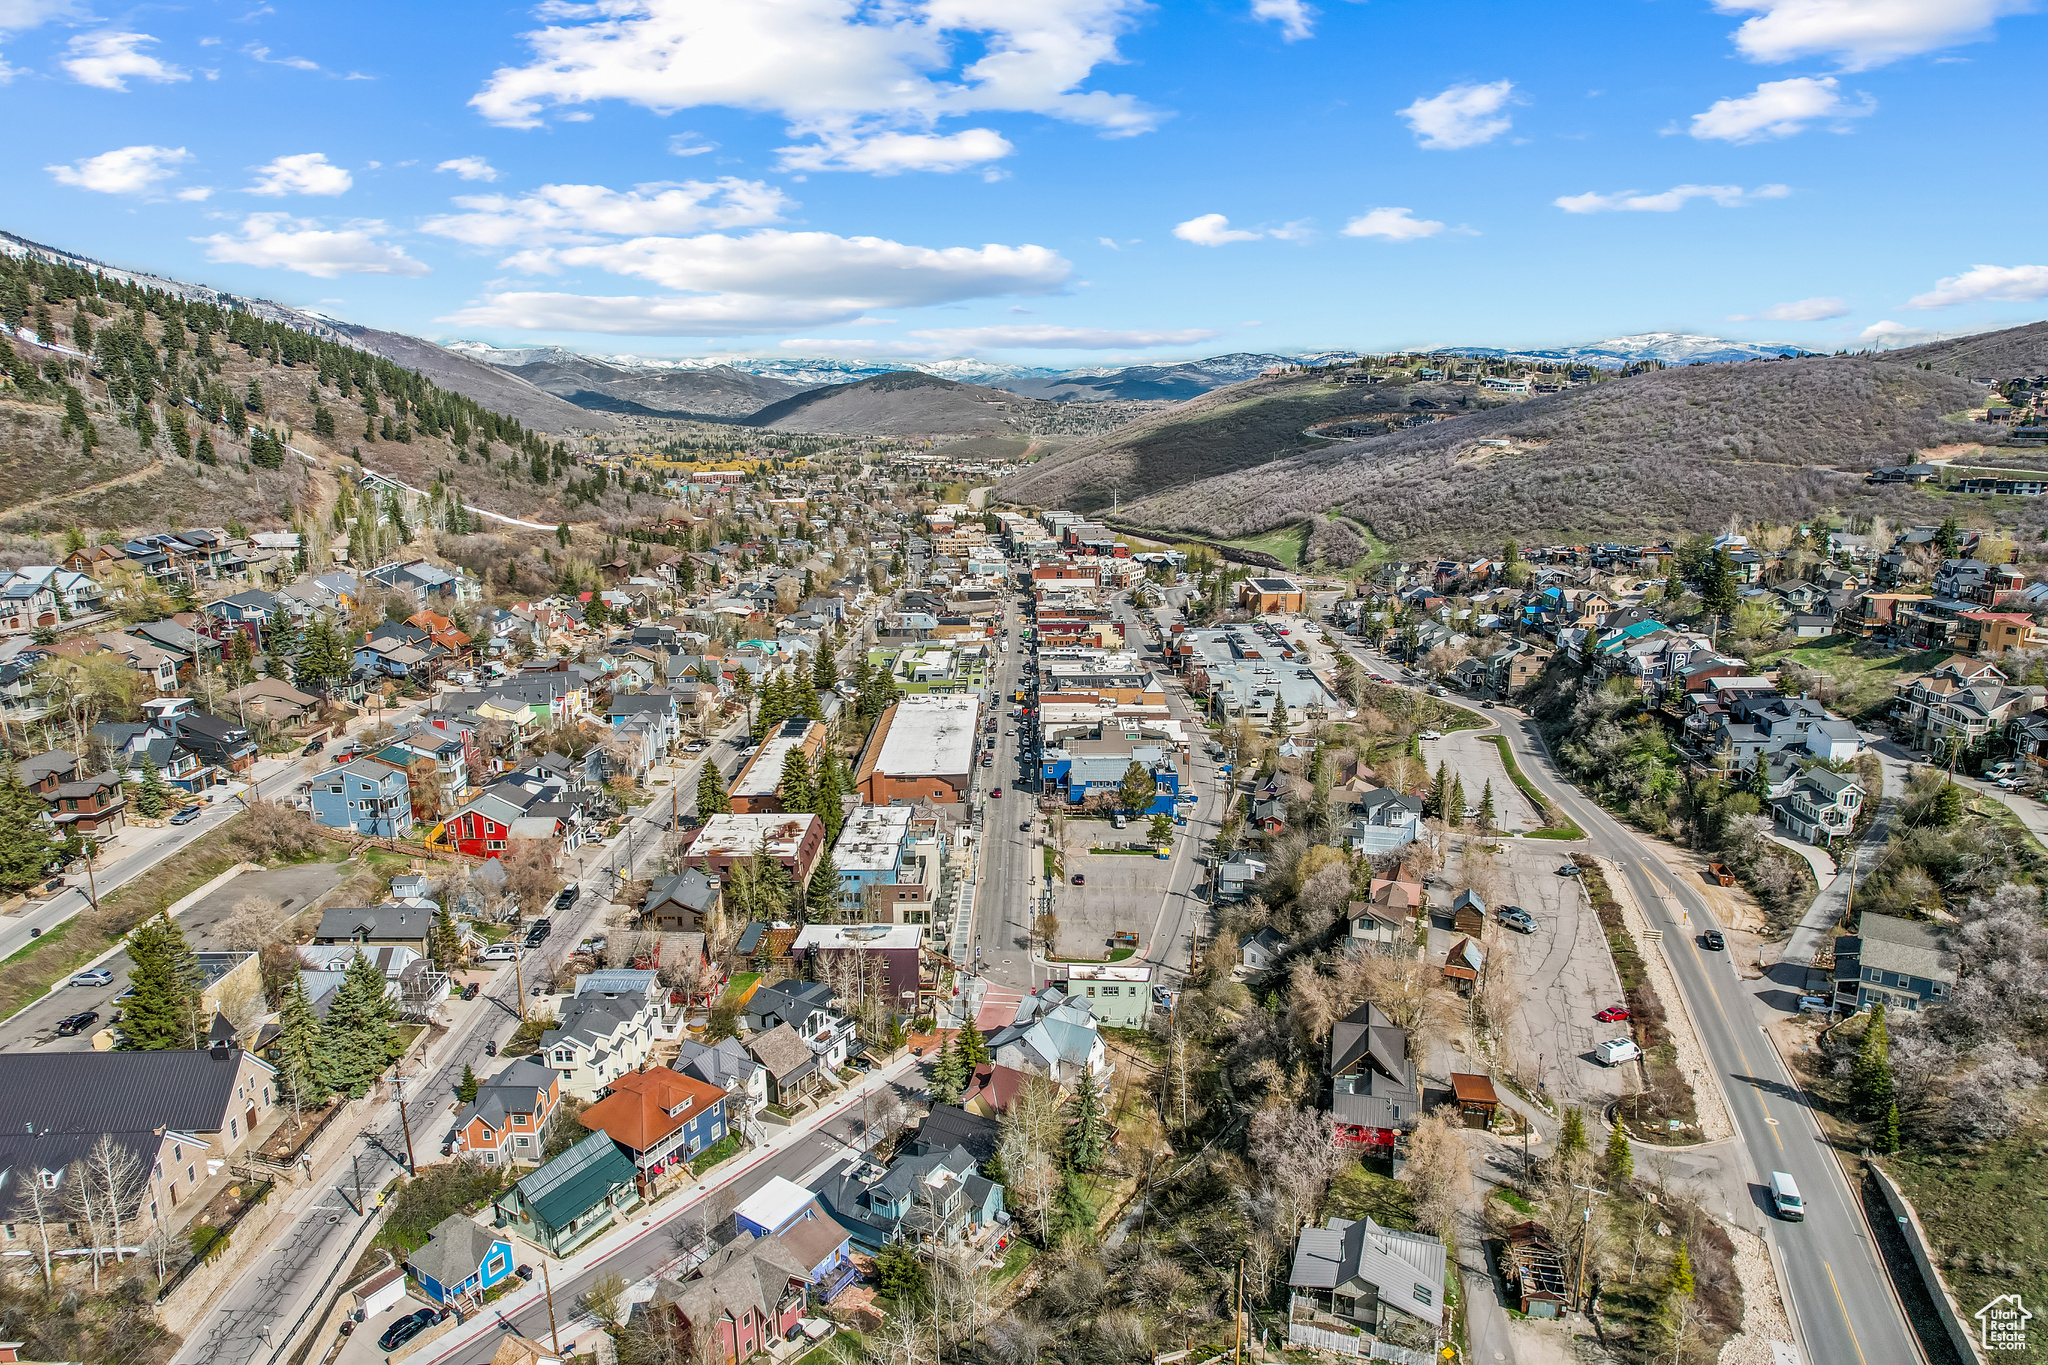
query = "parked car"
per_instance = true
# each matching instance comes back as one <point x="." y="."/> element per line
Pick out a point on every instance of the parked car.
<point x="469" y="992"/>
<point x="1024" y="826"/>
<point x="1080" y="879"/>
<point x="997" y="794"/>
<point x="491" y="1048"/>
<point x="1712" y="941"/>
<point x="74" y="1024"/>
<point x="187" y="814"/>
<point x="1570" y="870"/>
<point x="1518" y="919"/>
<point x="313" y="746"/>
<point x="567" y="898"/>
<point x="406" y="1328"/>
<point x="1613" y="1014"/>
<point x="500" y="952"/>
<point x="1816" y="1004"/>
<point x="96" y="976"/>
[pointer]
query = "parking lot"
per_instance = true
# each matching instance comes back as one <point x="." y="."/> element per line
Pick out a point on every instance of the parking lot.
<point x="1475" y="760"/>
<point x="1564" y="972"/>
<point x="1122" y="894"/>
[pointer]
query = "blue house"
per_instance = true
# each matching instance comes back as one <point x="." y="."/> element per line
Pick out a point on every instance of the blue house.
<point x="939" y="1196"/>
<point x="1099" y="775"/>
<point x="783" y="1208"/>
<point x="365" y="796"/>
<point x="461" y="1258"/>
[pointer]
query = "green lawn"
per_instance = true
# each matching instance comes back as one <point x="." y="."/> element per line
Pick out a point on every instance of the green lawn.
<point x="737" y="988"/>
<point x="1285" y="544"/>
<point x="715" y="1153"/>
<point x="1864" y="675"/>
<point x="1562" y="828"/>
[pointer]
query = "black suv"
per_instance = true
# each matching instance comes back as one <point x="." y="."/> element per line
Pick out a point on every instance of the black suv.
<point x="75" y="1024"/>
<point x="569" y="896"/>
<point x="406" y="1328"/>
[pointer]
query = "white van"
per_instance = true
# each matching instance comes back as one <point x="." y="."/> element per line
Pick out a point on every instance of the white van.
<point x="1615" y="1051"/>
<point x="1785" y="1198"/>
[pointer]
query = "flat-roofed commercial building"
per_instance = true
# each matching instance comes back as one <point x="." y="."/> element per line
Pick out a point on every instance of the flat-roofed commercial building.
<point x="795" y="841"/>
<point x="1270" y="594"/>
<point x="758" y="788"/>
<point x="922" y="750"/>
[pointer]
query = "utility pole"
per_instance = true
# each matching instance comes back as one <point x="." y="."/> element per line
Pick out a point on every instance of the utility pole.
<point x="355" y="1165"/>
<point x="412" y="1166"/>
<point x="1237" y="1346"/>
<point x="1585" y="1241"/>
<point x="518" y="983"/>
<point x="548" y="1289"/>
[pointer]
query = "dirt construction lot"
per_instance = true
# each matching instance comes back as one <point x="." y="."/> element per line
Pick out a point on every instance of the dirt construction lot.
<point x="1562" y="973"/>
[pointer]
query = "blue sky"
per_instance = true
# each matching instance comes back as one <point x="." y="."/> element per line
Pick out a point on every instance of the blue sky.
<point x="1049" y="181"/>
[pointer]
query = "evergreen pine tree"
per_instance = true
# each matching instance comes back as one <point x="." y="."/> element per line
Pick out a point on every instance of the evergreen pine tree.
<point x="1948" y="805"/>
<point x="356" y="1040"/>
<point x="1674" y="583"/>
<point x="1572" y="1139"/>
<point x="711" y="797"/>
<point x="972" y="1045"/>
<point x="821" y="892"/>
<point x="152" y="797"/>
<point x="164" y="980"/>
<point x="1454" y="803"/>
<point x="1870" y="1075"/>
<point x="300" y="1065"/>
<point x="25" y="848"/>
<point x="465" y="1089"/>
<point x="949" y="1074"/>
<point x="825" y="669"/>
<point x="1085" y="1138"/>
<point x="1439" y="789"/>
<point x="1619" y="1160"/>
<point x="797" y="789"/>
<point x="1486" y="811"/>
<point x="445" y="943"/>
<point x="1717" y="592"/>
<point x="831" y="786"/>
<point x="1888" y="1131"/>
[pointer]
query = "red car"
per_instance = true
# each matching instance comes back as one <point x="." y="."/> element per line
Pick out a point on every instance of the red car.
<point x="1613" y="1014"/>
<point x="997" y="793"/>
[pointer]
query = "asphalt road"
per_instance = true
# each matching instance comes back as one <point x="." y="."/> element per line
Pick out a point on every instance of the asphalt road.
<point x="1840" y="1295"/>
<point x="1012" y="858"/>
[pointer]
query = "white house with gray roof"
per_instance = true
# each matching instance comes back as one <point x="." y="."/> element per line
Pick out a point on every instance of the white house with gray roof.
<point x="1358" y="1277"/>
<point x="608" y="1027"/>
<point x="1901" y="964"/>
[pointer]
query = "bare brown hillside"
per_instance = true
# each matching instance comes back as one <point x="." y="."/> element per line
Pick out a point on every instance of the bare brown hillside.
<point x="2013" y="353"/>
<point x="1663" y="453"/>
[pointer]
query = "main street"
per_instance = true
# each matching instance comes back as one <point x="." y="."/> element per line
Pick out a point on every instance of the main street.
<point x="1840" y="1294"/>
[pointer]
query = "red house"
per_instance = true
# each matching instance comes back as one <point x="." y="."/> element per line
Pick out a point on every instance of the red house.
<point x="748" y="1295"/>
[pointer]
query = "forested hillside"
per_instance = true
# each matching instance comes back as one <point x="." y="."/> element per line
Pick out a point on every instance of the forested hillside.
<point x="1661" y="453"/>
<point x="138" y="405"/>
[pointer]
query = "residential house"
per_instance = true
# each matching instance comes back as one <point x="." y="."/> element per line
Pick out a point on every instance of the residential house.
<point x="807" y="1008"/>
<point x="660" y="1118"/>
<point x="1385" y="920"/>
<point x="1375" y="1094"/>
<point x="790" y="1070"/>
<point x="1261" y="949"/>
<point x="744" y="1299"/>
<point x="930" y="1197"/>
<point x="572" y="1198"/>
<point x="275" y="701"/>
<point x="365" y="796"/>
<point x="1052" y="1034"/>
<point x="509" y="1120"/>
<point x="183" y="1114"/>
<point x="690" y="901"/>
<point x="726" y="1065"/>
<point x="1958" y="707"/>
<point x="92" y="807"/>
<point x="1901" y="964"/>
<point x="402" y="926"/>
<point x="782" y="1208"/>
<point x="1384" y="820"/>
<point x="607" y="1028"/>
<point x="1236" y="877"/>
<point x="1821" y="807"/>
<point x="1366" y="1278"/>
<point x="461" y="1260"/>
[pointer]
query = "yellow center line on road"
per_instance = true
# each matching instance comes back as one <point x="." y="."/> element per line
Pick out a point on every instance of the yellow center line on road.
<point x="1845" y="1312"/>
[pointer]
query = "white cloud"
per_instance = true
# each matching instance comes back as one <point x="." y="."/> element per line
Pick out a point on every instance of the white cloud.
<point x="842" y="72"/>
<point x="1212" y="229"/>
<point x="1462" y="116"/>
<point x="18" y="15"/>
<point x="125" y="170"/>
<point x="305" y="173"/>
<point x="284" y="242"/>
<point x="1860" y="34"/>
<point x="194" y="194"/>
<point x="1395" y="225"/>
<point x="1670" y="201"/>
<point x="110" y="57"/>
<point x="1779" y="109"/>
<point x="1987" y="284"/>
<point x="1065" y="338"/>
<point x="1799" y="310"/>
<point x="585" y="213"/>
<point x="766" y="281"/>
<point x="470" y="168"/>
<point x="1296" y="19"/>
<point x="262" y="54"/>
<point x="889" y="153"/>
<point x="689" y="144"/>
<point x="1888" y="334"/>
